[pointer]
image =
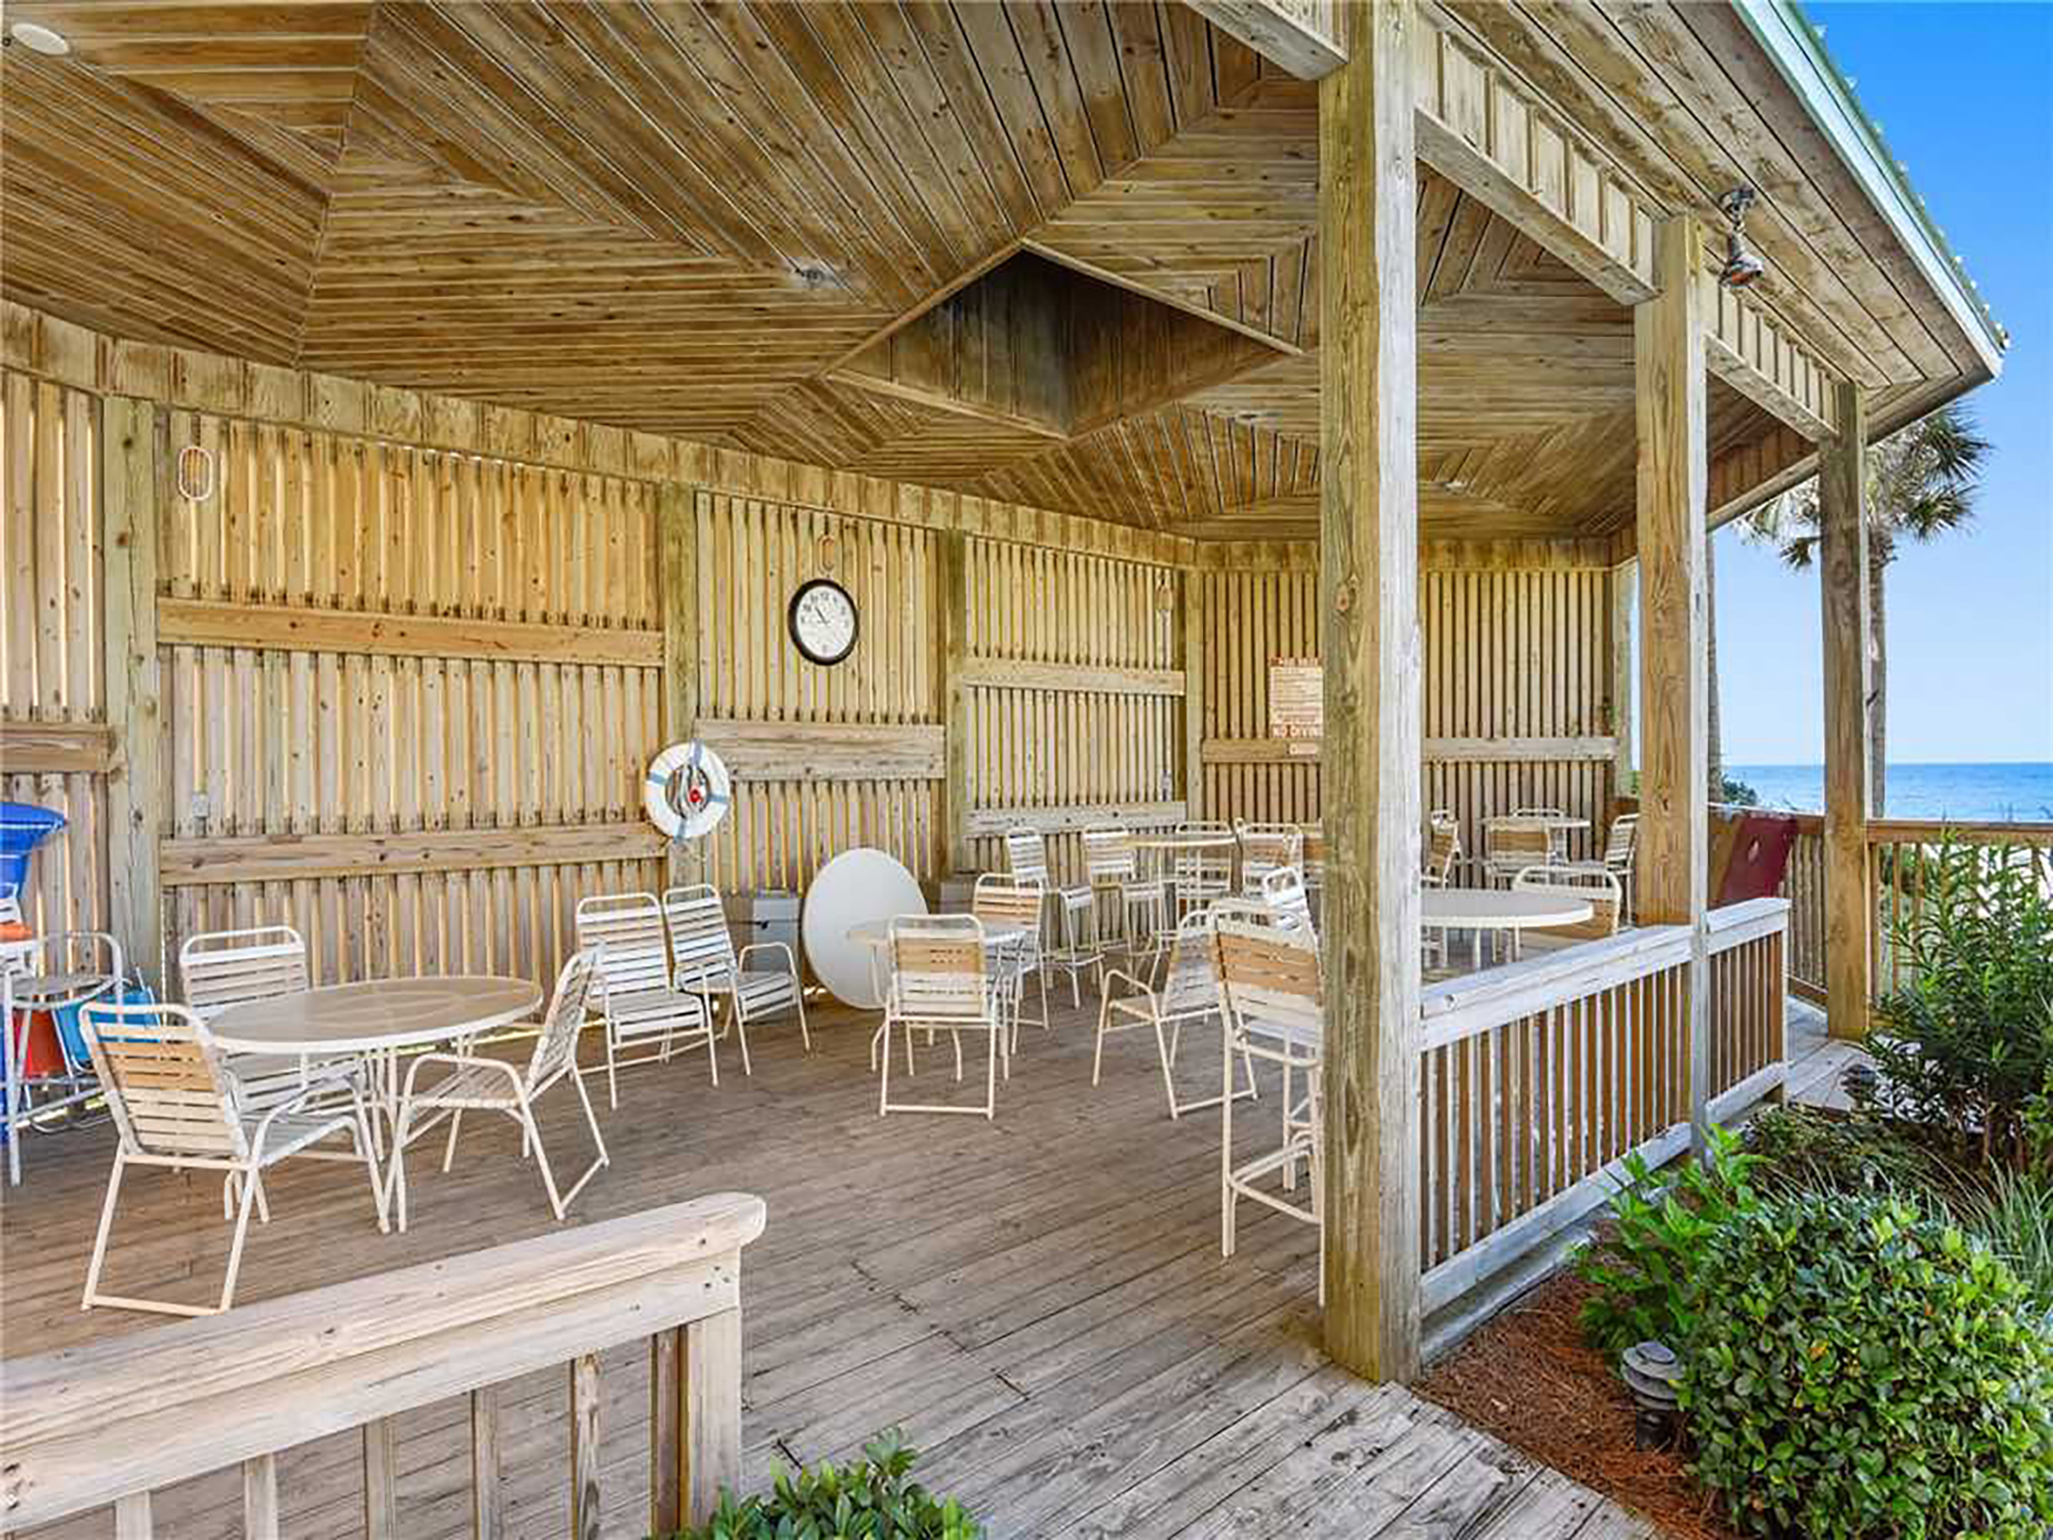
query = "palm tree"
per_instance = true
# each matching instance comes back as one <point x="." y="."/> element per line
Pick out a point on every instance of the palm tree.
<point x="1922" y="481"/>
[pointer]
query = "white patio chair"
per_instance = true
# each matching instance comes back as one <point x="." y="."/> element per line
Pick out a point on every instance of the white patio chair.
<point x="1621" y="841"/>
<point x="703" y="960"/>
<point x="1269" y="989"/>
<point x="223" y="968"/>
<point x="175" y="1103"/>
<point x="1584" y="884"/>
<point x="997" y="900"/>
<point x="1283" y="890"/>
<point x="940" y="981"/>
<point x="1512" y="844"/>
<point x="50" y="973"/>
<point x="1189" y="996"/>
<point x="640" y="1005"/>
<point x="1443" y="848"/>
<point x="478" y="1084"/>
<point x="1205" y="873"/>
<point x="1141" y="904"/>
<point x="1073" y="946"/>
<point x="1264" y="848"/>
<point x="1557" y="827"/>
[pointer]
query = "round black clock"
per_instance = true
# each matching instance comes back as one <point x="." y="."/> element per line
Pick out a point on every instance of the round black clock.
<point x="822" y="620"/>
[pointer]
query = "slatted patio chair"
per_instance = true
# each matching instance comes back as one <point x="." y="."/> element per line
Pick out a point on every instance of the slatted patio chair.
<point x="1512" y="844"/>
<point x="175" y="1104"/>
<point x="1557" y="826"/>
<point x="703" y="960"/>
<point x="479" y="1084"/>
<point x="940" y="981"/>
<point x="1072" y="947"/>
<point x="1590" y="885"/>
<point x="1141" y="905"/>
<point x="1204" y="874"/>
<point x="1443" y="848"/>
<point x="1284" y="891"/>
<point x="1019" y="901"/>
<point x="57" y="972"/>
<point x="641" y="1007"/>
<point x="1264" y="848"/>
<point x="1269" y="990"/>
<point x="223" y="968"/>
<point x="1189" y="996"/>
<point x="1621" y="842"/>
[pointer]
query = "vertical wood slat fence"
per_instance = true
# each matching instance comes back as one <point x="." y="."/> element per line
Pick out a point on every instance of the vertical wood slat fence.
<point x="1900" y="878"/>
<point x="1537" y="1079"/>
<point x="239" y="1389"/>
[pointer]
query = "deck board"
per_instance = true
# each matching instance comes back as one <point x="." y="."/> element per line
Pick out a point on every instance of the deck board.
<point x="1040" y="1302"/>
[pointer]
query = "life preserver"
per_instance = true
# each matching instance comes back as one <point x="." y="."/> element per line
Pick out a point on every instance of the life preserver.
<point x="687" y="791"/>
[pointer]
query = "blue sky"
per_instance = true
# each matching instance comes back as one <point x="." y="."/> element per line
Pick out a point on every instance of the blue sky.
<point x="1964" y="94"/>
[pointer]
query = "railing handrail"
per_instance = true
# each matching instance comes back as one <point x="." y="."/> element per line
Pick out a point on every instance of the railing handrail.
<point x="181" y="1400"/>
<point x="1891" y="831"/>
<point x="1461" y="1007"/>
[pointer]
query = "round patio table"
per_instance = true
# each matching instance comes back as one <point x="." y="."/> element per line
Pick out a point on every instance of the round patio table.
<point x="1495" y="909"/>
<point x="376" y="1018"/>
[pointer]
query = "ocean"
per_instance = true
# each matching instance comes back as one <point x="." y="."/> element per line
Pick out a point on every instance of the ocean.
<point x="1969" y="793"/>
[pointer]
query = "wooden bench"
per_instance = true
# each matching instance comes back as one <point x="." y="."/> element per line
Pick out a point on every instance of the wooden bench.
<point x="115" y="1420"/>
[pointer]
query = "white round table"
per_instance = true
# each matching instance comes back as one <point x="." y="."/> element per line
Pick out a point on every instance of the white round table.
<point x="1498" y="909"/>
<point x="856" y="886"/>
<point x="376" y="1018"/>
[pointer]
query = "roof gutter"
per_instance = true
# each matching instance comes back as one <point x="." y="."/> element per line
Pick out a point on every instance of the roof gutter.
<point x="1797" y="49"/>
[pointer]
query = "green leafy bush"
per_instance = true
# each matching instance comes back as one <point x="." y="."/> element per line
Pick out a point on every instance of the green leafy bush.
<point x="1857" y="1370"/>
<point x="1805" y="1149"/>
<point x="1660" y="1226"/>
<point x="1966" y="1042"/>
<point x="870" y="1499"/>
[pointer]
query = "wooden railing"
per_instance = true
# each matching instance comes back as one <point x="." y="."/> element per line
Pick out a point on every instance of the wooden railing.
<point x="1899" y="877"/>
<point x="1539" y="1078"/>
<point x="113" y="1422"/>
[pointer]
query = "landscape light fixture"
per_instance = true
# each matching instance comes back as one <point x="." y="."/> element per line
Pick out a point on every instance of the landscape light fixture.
<point x="1741" y="267"/>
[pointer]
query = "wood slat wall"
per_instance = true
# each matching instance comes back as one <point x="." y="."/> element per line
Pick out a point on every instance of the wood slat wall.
<point x="52" y="594"/>
<point x="269" y="742"/>
<point x="752" y="555"/>
<point x="1511" y="653"/>
<point x="1051" y="742"/>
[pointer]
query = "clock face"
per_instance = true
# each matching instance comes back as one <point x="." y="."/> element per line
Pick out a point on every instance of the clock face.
<point x="823" y="621"/>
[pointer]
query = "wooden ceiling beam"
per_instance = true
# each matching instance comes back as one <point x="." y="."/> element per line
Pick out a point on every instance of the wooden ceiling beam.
<point x="1748" y="350"/>
<point x="1302" y="37"/>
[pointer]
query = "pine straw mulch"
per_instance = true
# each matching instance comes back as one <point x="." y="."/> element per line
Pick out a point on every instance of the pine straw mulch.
<point x="1528" y="1377"/>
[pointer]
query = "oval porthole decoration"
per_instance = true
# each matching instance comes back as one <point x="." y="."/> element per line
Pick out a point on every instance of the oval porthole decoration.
<point x="823" y="621"/>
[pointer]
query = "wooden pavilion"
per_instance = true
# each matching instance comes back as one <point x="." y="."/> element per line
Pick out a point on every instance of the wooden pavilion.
<point x="1108" y="355"/>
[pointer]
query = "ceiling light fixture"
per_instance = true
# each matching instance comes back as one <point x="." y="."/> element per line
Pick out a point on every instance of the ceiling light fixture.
<point x="1741" y="267"/>
<point x="39" y="39"/>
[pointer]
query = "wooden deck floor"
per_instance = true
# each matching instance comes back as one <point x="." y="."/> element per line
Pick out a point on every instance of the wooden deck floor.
<point x="1040" y="1303"/>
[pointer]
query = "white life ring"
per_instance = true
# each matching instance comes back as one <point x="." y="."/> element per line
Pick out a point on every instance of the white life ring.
<point x="687" y="791"/>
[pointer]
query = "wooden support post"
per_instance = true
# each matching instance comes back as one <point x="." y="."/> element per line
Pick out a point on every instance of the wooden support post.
<point x="1196" y="622"/>
<point x="132" y="1519"/>
<point x="130" y="462"/>
<point x="1674" y="835"/>
<point x="955" y="788"/>
<point x="1370" y="756"/>
<point x="488" y="1500"/>
<point x="1843" y="587"/>
<point x="678" y="535"/>
<point x="710" y="1424"/>
<point x="260" y="1497"/>
<point x="584" y="1447"/>
<point x="381" y="1480"/>
<point x="1624" y="660"/>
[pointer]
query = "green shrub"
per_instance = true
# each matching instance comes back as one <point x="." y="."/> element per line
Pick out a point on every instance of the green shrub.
<point x="1660" y="1225"/>
<point x="1804" y="1149"/>
<point x="870" y="1499"/>
<point x="1966" y="1042"/>
<point x="1856" y="1370"/>
<point x="2013" y="1215"/>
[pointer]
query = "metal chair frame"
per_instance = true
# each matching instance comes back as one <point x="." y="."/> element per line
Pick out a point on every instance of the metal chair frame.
<point x="941" y="981"/>
<point x="704" y="961"/>
<point x="637" y="999"/>
<point x="1189" y="996"/>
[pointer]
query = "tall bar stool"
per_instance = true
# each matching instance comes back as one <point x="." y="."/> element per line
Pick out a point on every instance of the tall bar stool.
<point x="1204" y="873"/>
<point x="1269" y="989"/>
<point x="1140" y="904"/>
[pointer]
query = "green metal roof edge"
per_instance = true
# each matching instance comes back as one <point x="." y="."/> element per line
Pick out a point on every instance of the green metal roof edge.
<point x="1797" y="47"/>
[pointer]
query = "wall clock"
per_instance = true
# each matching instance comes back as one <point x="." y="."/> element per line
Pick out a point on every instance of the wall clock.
<point x="823" y="621"/>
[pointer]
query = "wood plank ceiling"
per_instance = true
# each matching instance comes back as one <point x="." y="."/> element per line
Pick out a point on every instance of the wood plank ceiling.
<point x="691" y="218"/>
